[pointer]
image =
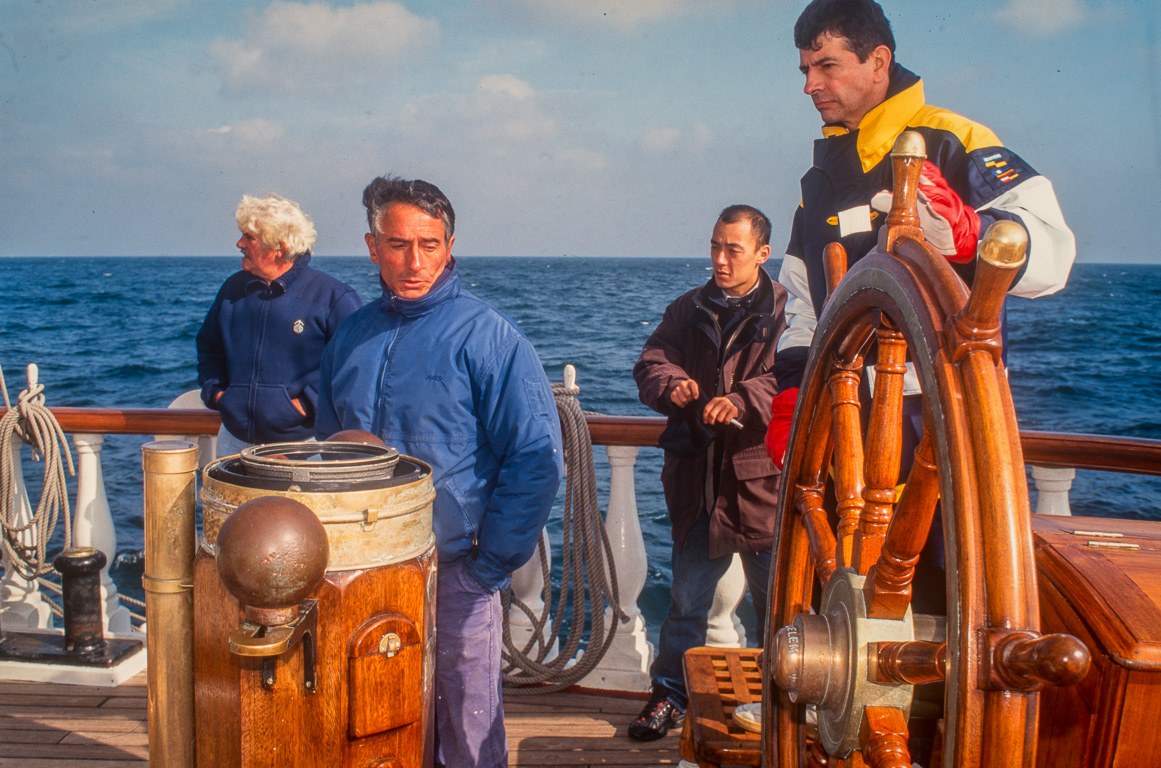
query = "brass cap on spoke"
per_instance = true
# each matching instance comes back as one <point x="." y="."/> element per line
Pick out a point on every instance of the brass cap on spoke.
<point x="1004" y="245"/>
<point x="909" y="144"/>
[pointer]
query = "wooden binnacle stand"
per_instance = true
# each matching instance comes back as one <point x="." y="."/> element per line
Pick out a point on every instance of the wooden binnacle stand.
<point x="313" y="610"/>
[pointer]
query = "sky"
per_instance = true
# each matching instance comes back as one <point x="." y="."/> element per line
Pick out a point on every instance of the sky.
<point x="579" y="127"/>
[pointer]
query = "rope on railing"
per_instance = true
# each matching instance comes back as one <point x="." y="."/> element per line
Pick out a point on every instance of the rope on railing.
<point x="588" y="574"/>
<point x="34" y="424"/>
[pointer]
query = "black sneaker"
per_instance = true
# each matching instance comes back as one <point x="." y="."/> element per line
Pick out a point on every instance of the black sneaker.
<point x="659" y="715"/>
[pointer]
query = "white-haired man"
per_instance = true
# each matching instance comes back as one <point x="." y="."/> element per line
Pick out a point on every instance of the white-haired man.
<point x="261" y="343"/>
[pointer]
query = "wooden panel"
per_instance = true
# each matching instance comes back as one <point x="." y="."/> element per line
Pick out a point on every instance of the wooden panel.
<point x="1110" y="599"/>
<point x="384" y="690"/>
<point x="1117" y="591"/>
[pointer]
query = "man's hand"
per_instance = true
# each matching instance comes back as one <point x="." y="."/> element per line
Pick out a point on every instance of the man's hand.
<point x="781" y="417"/>
<point x="720" y="410"/>
<point x="951" y="227"/>
<point x="684" y="393"/>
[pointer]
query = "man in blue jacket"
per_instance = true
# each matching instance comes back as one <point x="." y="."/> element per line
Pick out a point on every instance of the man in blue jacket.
<point x="261" y="342"/>
<point x="442" y="376"/>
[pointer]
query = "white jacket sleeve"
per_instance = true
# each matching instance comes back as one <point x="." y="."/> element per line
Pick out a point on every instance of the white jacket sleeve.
<point x="800" y="317"/>
<point x="1051" y="244"/>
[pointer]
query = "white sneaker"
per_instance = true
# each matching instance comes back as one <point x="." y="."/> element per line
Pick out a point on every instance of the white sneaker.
<point x="748" y="717"/>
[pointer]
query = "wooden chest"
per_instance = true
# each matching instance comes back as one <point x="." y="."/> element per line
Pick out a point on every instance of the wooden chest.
<point x="1100" y="580"/>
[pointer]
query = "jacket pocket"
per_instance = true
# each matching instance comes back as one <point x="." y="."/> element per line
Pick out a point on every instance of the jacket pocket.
<point x="455" y="530"/>
<point x="275" y="417"/>
<point x="233" y="408"/>
<point x="757" y="492"/>
<point x="753" y="463"/>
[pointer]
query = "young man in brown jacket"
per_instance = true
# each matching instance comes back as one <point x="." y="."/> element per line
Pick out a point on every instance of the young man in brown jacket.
<point x="709" y="367"/>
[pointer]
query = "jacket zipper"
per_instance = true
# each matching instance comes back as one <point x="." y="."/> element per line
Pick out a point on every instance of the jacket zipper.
<point x="252" y="404"/>
<point x="379" y="417"/>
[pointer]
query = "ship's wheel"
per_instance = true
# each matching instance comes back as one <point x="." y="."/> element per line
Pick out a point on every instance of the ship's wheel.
<point x="848" y="636"/>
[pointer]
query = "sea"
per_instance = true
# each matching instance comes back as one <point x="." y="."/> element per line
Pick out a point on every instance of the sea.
<point x="119" y="333"/>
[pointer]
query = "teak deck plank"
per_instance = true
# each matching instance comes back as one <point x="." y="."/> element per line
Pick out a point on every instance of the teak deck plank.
<point x="43" y="725"/>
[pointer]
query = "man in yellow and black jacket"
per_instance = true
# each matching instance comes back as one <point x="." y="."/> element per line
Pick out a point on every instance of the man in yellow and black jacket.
<point x="847" y="54"/>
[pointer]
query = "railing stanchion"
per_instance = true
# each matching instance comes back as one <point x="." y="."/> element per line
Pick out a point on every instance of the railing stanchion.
<point x="22" y="604"/>
<point x="725" y="628"/>
<point x="528" y="588"/>
<point x="626" y="665"/>
<point x="93" y="526"/>
<point x="1052" y="487"/>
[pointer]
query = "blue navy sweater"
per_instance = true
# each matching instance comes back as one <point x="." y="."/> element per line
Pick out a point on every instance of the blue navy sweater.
<point x="260" y="346"/>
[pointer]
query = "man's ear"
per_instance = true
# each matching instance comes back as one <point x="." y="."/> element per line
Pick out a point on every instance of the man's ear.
<point x="763" y="254"/>
<point x="370" y="240"/>
<point x="881" y="59"/>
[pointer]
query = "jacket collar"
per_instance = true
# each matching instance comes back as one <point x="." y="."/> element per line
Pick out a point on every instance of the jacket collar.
<point x="762" y="301"/>
<point x="447" y="286"/>
<point x="880" y="127"/>
<point x="282" y="283"/>
<point x="761" y="309"/>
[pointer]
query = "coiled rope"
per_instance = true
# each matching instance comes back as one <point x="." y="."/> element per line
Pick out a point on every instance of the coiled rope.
<point x="26" y="541"/>
<point x="588" y="583"/>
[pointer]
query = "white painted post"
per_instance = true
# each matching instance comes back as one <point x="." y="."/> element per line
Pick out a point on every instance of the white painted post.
<point x="626" y="665"/>
<point x="1052" y="487"/>
<point x="207" y="444"/>
<point x="725" y="628"/>
<point x="20" y="600"/>
<point x="93" y="527"/>
<point x="528" y="587"/>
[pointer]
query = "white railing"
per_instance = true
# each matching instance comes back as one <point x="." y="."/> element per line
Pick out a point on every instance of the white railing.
<point x="625" y="666"/>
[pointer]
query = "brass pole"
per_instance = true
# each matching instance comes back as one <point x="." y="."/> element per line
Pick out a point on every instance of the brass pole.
<point x="170" y="485"/>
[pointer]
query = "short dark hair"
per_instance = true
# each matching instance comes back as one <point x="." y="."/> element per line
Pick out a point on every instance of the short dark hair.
<point x="861" y="22"/>
<point x="427" y="197"/>
<point x="759" y="224"/>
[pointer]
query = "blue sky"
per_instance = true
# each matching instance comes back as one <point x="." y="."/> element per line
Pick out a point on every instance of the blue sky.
<point x="588" y="127"/>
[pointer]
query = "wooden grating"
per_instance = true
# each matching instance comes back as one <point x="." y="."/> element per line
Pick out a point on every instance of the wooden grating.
<point x="719" y="679"/>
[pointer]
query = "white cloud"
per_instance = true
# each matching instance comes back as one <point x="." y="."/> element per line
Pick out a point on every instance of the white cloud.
<point x="667" y="141"/>
<point x="256" y="136"/>
<point x="314" y="46"/>
<point x="1043" y="17"/>
<point x="503" y="114"/>
<point x="618" y="13"/>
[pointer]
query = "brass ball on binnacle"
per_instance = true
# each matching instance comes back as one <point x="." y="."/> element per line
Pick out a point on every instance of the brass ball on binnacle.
<point x="356" y="436"/>
<point x="271" y="554"/>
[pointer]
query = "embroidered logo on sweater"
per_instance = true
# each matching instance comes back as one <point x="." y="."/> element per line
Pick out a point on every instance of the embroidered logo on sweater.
<point x="298" y="326"/>
<point x="1000" y="168"/>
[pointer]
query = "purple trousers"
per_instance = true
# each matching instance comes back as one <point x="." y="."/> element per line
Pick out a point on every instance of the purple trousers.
<point x="469" y="710"/>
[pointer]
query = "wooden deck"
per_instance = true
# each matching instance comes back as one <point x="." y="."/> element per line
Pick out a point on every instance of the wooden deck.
<point x="43" y="725"/>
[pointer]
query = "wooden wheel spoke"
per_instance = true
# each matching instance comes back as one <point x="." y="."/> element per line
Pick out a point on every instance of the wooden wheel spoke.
<point x="818" y="758"/>
<point x="887" y="589"/>
<point x="1017" y="660"/>
<point x="884" y="738"/>
<point x="914" y="662"/>
<point x="808" y="495"/>
<point x="822" y="541"/>
<point x="847" y="457"/>
<point x="882" y="450"/>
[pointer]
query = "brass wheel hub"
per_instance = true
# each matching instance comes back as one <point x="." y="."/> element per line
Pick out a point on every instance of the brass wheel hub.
<point x="823" y="660"/>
